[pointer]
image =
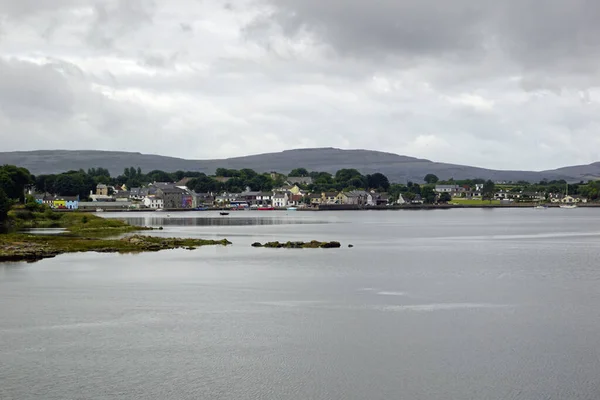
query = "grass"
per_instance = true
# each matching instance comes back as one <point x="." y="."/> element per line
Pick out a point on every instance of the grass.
<point x="474" y="202"/>
<point x="85" y="232"/>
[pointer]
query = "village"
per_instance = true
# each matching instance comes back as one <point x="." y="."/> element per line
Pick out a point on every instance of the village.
<point x="293" y="194"/>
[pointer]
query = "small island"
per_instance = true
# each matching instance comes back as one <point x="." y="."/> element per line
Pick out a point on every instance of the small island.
<point x="314" y="244"/>
<point x="81" y="233"/>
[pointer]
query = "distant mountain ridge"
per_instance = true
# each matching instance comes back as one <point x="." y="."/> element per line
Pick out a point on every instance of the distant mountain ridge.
<point x="398" y="168"/>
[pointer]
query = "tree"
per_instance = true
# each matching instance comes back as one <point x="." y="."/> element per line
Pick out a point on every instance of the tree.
<point x="4" y="206"/>
<point x="445" y="197"/>
<point x="428" y="194"/>
<point x="378" y="181"/>
<point x="488" y="190"/>
<point x="158" y="176"/>
<point x="431" y="178"/>
<point x="13" y="181"/>
<point x="299" y="172"/>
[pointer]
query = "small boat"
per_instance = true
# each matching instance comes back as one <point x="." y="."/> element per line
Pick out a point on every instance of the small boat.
<point x="266" y="208"/>
<point x="159" y="209"/>
<point x="224" y="213"/>
<point x="292" y="208"/>
<point x="541" y="207"/>
<point x="201" y="208"/>
<point x="99" y="210"/>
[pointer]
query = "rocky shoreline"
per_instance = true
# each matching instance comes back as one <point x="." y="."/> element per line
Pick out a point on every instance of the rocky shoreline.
<point x="34" y="247"/>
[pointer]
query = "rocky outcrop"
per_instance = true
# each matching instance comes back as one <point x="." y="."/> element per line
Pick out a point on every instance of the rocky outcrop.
<point x="314" y="244"/>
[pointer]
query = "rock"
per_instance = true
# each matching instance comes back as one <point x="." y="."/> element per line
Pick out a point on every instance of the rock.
<point x="350" y="245"/>
<point x="314" y="244"/>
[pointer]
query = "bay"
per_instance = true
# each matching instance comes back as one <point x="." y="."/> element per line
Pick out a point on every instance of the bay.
<point x="443" y="304"/>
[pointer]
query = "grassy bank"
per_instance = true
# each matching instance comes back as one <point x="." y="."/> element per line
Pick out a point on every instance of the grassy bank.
<point x="84" y="232"/>
<point x="81" y="224"/>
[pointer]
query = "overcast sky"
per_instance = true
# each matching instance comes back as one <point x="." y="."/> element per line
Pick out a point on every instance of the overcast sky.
<point x="501" y="84"/>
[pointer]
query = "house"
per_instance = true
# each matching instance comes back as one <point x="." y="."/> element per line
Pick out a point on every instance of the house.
<point x="294" y="189"/>
<point x="299" y="180"/>
<point x="49" y="201"/>
<point x="295" y="200"/>
<point x="202" y="199"/>
<point x="39" y="198"/>
<point x="59" y="202"/>
<point x="172" y="196"/>
<point x="446" y="188"/>
<point x="152" y="201"/>
<point x="227" y="198"/>
<point x="122" y="196"/>
<point x="251" y="197"/>
<point x="136" y="194"/>
<point x="264" y="198"/>
<point x="381" y="199"/>
<point x="101" y="189"/>
<point x="358" y="197"/>
<point x="417" y="199"/>
<point x="71" y="202"/>
<point x="329" y="197"/>
<point x="535" y="196"/>
<point x="280" y="200"/>
<point x="315" y="199"/>
<point x="572" y="199"/>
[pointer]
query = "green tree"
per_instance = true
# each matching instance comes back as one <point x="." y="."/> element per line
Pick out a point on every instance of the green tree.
<point x="445" y="197"/>
<point x="488" y="190"/>
<point x="428" y="194"/>
<point x="4" y="206"/>
<point x="13" y="181"/>
<point x="299" y="172"/>
<point x="431" y="178"/>
<point x="378" y="181"/>
<point x="158" y="176"/>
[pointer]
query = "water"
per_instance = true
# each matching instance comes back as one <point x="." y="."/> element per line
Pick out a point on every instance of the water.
<point x="448" y="304"/>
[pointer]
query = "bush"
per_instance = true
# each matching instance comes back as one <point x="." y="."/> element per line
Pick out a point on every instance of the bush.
<point x="49" y="214"/>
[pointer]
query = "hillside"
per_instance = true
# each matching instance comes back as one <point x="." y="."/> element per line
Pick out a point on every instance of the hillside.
<point x="398" y="168"/>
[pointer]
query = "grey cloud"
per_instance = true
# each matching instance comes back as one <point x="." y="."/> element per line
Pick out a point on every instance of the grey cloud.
<point x="25" y="8"/>
<point x="554" y="35"/>
<point x="478" y="83"/>
<point x="114" y="19"/>
<point x="28" y="90"/>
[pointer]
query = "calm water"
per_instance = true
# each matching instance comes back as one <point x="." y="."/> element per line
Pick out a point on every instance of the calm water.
<point x="449" y="304"/>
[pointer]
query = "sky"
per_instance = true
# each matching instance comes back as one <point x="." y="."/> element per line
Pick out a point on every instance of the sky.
<point x="510" y="84"/>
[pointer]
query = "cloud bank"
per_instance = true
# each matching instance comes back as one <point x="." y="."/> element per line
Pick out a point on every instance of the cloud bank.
<point x="510" y="84"/>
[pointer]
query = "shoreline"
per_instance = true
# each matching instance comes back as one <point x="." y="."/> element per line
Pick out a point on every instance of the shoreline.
<point x="349" y="207"/>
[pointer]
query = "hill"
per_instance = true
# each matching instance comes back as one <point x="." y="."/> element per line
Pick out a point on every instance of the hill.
<point x="398" y="168"/>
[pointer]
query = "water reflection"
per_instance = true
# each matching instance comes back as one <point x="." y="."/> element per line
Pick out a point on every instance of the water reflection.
<point x="217" y="221"/>
<point x="45" y="231"/>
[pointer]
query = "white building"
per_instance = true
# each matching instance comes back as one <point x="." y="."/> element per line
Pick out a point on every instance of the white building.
<point x="280" y="200"/>
<point x="153" y="202"/>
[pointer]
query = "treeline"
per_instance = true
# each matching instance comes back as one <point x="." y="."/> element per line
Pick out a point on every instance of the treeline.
<point x="13" y="181"/>
<point x="80" y="183"/>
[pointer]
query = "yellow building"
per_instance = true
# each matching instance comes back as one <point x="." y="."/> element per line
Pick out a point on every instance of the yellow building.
<point x="102" y="190"/>
<point x="59" y="203"/>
